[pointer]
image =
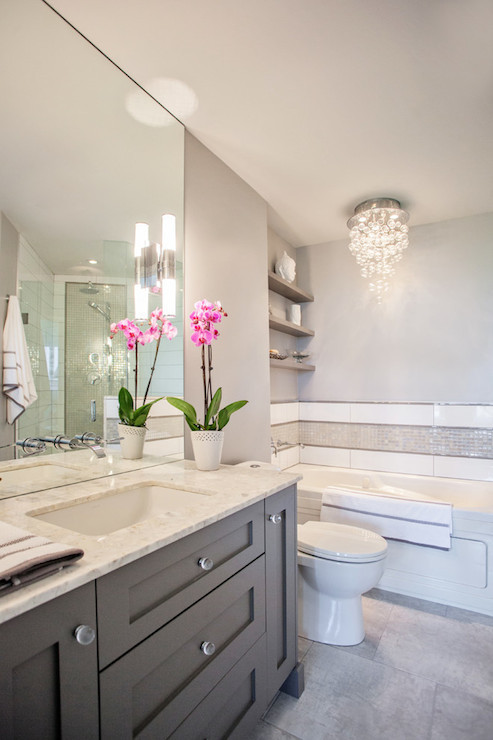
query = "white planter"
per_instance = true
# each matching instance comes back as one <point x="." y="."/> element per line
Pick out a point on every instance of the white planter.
<point x="207" y="449"/>
<point x="132" y="442"/>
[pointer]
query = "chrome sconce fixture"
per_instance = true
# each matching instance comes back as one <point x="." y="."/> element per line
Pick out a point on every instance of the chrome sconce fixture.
<point x="155" y="267"/>
<point x="379" y="235"/>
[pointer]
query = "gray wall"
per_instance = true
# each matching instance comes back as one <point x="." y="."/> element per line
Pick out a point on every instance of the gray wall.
<point x="432" y="337"/>
<point x="9" y="244"/>
<point x="226" y="260"/>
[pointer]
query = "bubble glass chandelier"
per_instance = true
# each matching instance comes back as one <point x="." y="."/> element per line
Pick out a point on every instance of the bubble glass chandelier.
<point x="379" y="235"/>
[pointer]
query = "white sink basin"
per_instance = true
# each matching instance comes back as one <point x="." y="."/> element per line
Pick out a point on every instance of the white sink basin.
<point x="121" y="509"/>
<point x="37" y="475"/>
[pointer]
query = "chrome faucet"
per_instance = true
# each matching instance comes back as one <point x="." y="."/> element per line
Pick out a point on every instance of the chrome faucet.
<point x="31" y="446"/>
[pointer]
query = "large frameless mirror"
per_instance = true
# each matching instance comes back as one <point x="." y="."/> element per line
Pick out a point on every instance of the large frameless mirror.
<point x="86" y="155"/>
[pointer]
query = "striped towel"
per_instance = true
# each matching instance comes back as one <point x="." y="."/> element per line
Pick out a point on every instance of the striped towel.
<point x="396" y="517"/>
<point x="18" y="383"/>
<point x="26" y="557"/>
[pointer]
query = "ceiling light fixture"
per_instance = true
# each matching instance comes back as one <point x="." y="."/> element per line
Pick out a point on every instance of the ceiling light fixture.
<point x="378" y="235"/>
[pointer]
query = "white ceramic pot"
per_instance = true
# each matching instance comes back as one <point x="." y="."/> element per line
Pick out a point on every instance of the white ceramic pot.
<point x="207" y="449"/>
<point x="132" y="441"/>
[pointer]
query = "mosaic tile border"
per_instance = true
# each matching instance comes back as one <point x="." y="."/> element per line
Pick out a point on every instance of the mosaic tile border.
<point x="465" y="442"/>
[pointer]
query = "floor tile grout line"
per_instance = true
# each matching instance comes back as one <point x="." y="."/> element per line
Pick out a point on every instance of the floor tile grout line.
<point x="432" y="717"/>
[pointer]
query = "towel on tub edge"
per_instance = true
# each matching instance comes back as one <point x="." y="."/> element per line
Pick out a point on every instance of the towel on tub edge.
<point x="26" y="557"/>
<point x="420" y="522"/>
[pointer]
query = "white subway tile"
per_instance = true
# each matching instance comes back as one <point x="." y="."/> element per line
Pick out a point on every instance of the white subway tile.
<point x="319" y="411"/>
<point x="281" y="413"/>
<point x="325" y="456"/>
<point x="463" y="416"/>
<point x="286" y="458"/>
<point x="392" y="462"/>
<point x="461" y="467"/>
<point x="392" y="413"/>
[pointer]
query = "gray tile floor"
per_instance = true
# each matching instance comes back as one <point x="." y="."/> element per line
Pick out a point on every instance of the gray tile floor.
<point x="423" y="672"/>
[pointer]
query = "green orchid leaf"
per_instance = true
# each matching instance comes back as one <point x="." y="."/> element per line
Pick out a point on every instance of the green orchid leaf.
<point x="130" y="416"/>
<point x="213" y="409"/>
<point x="187" y="410"/>
<point x="126" y="404"/>
<point x="225" y="413"/>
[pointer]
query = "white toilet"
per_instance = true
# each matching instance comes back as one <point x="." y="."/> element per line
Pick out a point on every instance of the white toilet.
<point x="337" y="563"/>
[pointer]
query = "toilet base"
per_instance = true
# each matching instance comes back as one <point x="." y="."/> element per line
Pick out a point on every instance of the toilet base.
<point x="342" y="622"/>
<point x="323" y="618"/>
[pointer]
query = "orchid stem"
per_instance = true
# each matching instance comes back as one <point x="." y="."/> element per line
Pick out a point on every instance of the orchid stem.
<point x="136" y="373"/>
<point x="204" y="379"/>
<point x="152" y="370"/>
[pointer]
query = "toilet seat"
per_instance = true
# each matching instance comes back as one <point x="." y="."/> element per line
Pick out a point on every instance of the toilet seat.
<point x="340" y="542"/>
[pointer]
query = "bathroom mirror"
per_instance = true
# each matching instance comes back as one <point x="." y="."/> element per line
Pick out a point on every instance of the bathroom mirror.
<point x="86" y="154"/>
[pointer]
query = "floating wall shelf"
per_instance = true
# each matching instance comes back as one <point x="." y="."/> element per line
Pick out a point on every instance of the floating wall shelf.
<point x="290" y="365"/>
<point x="282" y="287"/>
<point x="288" y="328"/>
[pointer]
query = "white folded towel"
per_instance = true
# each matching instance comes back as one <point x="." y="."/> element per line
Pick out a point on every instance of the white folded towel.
<point x="395" y="517"/>
<point x="26" y="557"/>
<point x="18" y="383"/>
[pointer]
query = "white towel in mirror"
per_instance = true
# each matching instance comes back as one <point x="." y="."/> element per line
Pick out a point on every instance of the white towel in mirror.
<point x="18" y="382"/>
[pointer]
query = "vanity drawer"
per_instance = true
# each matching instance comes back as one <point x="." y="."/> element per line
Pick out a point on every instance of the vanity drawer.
<point x="137" y="599"/>
<point x="235" y="705"/>
<point x="151" y="690"/>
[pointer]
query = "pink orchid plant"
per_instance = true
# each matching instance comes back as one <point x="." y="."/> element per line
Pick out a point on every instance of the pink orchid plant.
<point x="203" y="320"/>
<point x="158" y="326"/>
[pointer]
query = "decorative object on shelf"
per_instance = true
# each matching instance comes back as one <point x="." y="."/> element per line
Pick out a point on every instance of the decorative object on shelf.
<point x="132" y="427"/>
<point x="274" y="354"/>
<point x="379" y="234"/>
<point x="207" y="438"/>
<point x="294" y="313"/>
<point x="286" y="267"/>
<point x="299" y="356"/>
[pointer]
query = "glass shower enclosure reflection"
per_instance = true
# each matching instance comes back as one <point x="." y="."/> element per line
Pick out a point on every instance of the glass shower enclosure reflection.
<point x="95" y="366"/>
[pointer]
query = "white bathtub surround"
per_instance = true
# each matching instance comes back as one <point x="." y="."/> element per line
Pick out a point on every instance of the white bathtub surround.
<point x="283" y="413"/>
<point x="286" y="457"/>
<point x="395" y="515"/>
<point x="461" y="576"/>
<point x="450" y="440"/>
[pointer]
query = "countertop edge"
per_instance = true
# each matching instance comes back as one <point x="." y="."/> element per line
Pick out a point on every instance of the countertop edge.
<point x="231" y="489"/>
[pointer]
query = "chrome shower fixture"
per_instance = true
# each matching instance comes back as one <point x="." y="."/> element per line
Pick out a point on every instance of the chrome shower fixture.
<point x="89" y="289"/>
<point x="100" y="310"/>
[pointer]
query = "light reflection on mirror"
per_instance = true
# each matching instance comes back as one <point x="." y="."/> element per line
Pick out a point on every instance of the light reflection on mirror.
<point x="78" y="172"/>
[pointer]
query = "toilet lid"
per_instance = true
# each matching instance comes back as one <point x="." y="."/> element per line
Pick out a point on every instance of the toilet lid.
<point x="340" y="542"/>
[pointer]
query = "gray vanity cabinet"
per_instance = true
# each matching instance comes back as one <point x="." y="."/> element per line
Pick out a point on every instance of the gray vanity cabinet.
<point x="281" y="561"/>
<point x="194" y="640"/>
<point x="48" y="680"/>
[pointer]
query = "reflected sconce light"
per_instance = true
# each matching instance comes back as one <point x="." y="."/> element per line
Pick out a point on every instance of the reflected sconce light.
<point x="379" y="235"/>
<point x="155" y="267"/>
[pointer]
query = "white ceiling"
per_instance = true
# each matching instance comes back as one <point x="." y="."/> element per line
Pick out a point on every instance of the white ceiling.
<point x="320" y="104"/>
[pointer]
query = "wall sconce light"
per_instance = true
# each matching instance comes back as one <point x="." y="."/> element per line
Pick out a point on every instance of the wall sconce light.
<point x="378" y="235"/>
<point x="155" y="267"/>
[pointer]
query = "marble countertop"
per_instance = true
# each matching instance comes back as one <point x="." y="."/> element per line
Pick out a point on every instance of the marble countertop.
<point x="228" y="490"/>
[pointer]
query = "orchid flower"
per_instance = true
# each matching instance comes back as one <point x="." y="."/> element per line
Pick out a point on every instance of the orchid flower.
<point x="202" y="322"/>
<point x="159" y="326"/>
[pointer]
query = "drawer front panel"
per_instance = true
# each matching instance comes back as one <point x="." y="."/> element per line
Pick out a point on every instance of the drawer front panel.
<point x="138" y="599"/>
<point x="235" y="705"/>
<point x="149" y="691"/>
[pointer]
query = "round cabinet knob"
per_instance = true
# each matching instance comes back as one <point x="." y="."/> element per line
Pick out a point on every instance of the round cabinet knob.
<point x="206" y="563"/>
<point x="84" y="634"/>
<point x="275" y="518"/>
<point x="208" y="648"/>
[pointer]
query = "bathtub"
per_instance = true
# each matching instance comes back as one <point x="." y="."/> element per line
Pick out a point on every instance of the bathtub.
<point x="461" y="576"/>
